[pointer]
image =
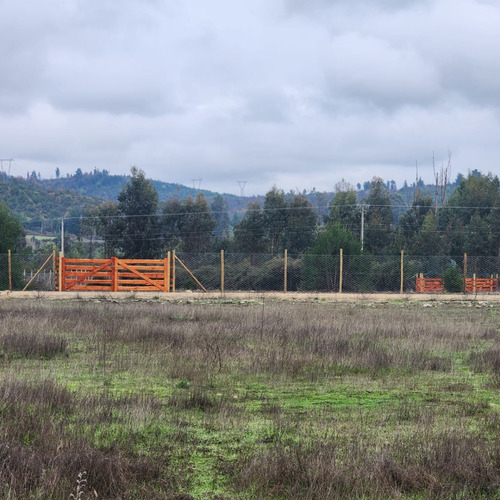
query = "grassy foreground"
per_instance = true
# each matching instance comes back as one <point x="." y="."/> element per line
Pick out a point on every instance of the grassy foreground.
<point x="261" y="399"/>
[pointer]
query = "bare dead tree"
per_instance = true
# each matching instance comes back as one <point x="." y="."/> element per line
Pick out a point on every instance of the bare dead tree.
<point x="442" y="179"/>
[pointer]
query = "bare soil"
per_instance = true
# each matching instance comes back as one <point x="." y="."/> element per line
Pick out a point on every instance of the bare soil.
<point x="255" y="295"/>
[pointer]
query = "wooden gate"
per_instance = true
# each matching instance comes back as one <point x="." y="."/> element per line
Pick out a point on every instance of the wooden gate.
<point x="114" y="275"/>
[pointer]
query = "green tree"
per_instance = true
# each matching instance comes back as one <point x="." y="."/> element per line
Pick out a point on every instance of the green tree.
<point x="344" y="208"/>
<point x="276" y="213"/>
<point x="189" y="224"/>
<point x="468" y="219"/>
<point x="221" y="216"/>
<point x="11" y="232"/>
<point x="320" y="269"/>
<point x="250" y="232"/>
<point x="138" y="205"/>
<point x="478" y="236"/>
<point x="172" y="213"/>
<point x="321" y="201"/>
<point x="301" y="225"/>
<point x="197" y="225"/>
<point x="104" y="222"/>
<point x="378" y="219"/>
<point x="427" y="241"/>
<point x="411" y="222"/>
<point x="11" y="238"/>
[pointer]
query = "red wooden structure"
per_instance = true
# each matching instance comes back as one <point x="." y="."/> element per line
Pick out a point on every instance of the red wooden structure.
<point x="472" y="285"/>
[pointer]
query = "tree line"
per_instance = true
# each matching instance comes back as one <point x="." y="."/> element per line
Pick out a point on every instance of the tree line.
<point x="138" y="226"/>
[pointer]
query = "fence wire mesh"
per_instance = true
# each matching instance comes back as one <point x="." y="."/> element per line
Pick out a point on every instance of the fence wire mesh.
<point x="26" y="268"/>
<point x="271" y="272"/>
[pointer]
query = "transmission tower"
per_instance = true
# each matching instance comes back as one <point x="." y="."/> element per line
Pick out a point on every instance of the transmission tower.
<point x="196" y="183"/>
<point x="10" y="160"/>
<point x="242" y="185"/>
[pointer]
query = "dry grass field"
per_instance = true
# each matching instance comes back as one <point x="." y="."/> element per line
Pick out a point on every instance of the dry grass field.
<point x="220" y="398"/>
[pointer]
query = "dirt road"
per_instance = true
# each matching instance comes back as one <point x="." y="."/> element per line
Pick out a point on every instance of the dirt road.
<point x="290" y="296"/>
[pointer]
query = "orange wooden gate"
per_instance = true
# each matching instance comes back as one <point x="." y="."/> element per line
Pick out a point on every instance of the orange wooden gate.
<point x="114" y="275"/>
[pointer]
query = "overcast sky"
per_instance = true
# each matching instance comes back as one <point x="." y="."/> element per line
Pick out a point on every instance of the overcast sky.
<point x="293" y="93"/>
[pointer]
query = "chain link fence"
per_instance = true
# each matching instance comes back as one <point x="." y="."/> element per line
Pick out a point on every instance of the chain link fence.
<point x="19" y="270"/>
<point x="325" y="273"/>
<point x="266" y="272"/>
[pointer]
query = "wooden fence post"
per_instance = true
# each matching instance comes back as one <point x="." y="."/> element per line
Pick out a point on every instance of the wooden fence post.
<point x="285" y="271"/>
<point x="165" y="274"/>
<point x="114" y="274"/>
<point x="222" y="271"/>
<point x="61" y="272"/>
<point x="173" y="271"/>
<point x="341" y="269"/>
<point x="402" y="272"/>
<point x="167" y="278"/>
<point x="465" y="272"/>
<point x="54" y="256"/>
<point x="10" y="270"/>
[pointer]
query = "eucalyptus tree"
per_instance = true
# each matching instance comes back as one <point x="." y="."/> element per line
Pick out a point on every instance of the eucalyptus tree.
<point x="301" y="226"/>
<point x="379" y="218"/>
<point x="138" y="208"/>
<point x="188" y="224"/>
<point x="275" y="214"/>
<point x="250" y="234"/>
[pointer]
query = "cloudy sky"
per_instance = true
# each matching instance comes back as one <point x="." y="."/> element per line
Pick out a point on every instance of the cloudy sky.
<point x="292" y="93"/>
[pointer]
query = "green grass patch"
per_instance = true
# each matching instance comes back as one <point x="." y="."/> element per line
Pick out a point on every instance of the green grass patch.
<point x="214" y="400"/>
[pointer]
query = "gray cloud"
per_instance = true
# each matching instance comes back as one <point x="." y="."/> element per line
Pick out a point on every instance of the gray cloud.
<point x="371" y="70"/>
<point x="315" y="6"/>
<point x="292" y="93"/>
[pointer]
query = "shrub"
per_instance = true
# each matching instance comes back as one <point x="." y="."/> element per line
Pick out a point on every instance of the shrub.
<point x="452" y="280"/>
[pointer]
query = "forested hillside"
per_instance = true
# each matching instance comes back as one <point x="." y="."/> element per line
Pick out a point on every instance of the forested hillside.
<point x="39" y="206"/>
<point x="101" y="184"/>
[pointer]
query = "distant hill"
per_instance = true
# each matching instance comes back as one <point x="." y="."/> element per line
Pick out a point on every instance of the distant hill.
<point x="39" y="206"/>
<point x="103" y="185"/>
